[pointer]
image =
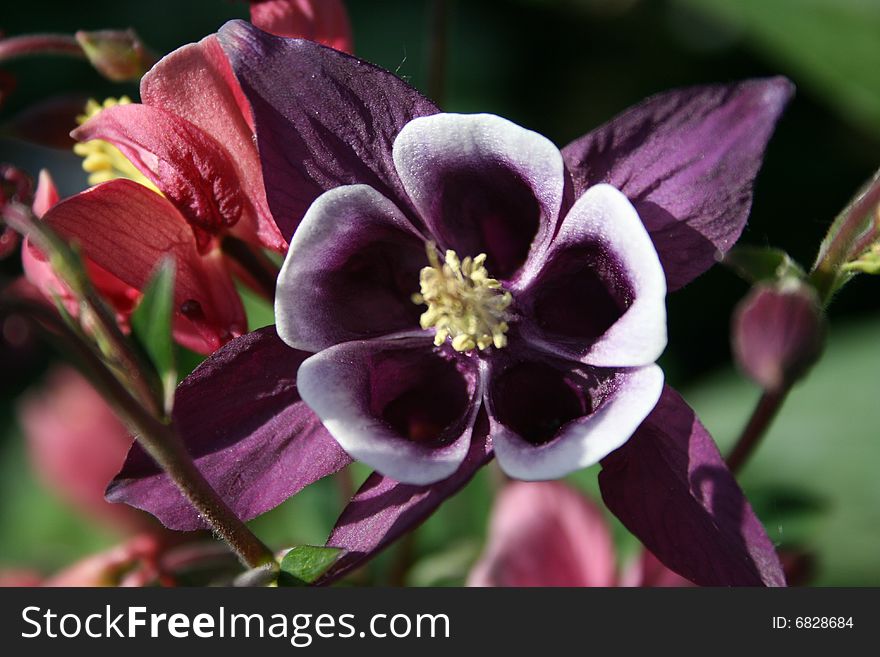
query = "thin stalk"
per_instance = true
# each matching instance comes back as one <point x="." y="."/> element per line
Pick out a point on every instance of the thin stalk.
<point x="123" y="357"/>
<point x="40" y="44"/>
<point x="160" y="440"/>
<point x="762" y="417"/>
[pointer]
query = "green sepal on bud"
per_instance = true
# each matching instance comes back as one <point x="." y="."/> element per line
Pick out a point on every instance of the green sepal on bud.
<point x="759" y="264"/>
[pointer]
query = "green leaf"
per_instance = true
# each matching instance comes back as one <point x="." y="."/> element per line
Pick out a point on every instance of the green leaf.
<point x="758" y="264"/>
<point x="304" y="564"/>
<point x="259" y="312"/>
<point x="151" y="325"/>
<point x="831" y="45"/>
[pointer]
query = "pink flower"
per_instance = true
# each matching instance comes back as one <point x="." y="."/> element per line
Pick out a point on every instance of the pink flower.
<point x="549" y="534"/>
<point x="192" y="138"/>
<point x="136" y="562"/>
<point x="133" y="563"/>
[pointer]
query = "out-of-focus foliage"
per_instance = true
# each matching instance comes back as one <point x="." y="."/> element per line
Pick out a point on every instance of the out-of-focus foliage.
<point x="832" y="44"/>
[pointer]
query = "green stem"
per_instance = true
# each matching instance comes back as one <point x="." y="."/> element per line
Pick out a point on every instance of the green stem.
<point x="125" y="360"/>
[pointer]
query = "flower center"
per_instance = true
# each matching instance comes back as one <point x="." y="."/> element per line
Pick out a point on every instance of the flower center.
<point x="464" y="304"/>
<point x="103" y="161"/>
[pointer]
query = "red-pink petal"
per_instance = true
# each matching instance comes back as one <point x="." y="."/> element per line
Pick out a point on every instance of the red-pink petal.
<point x="196" y="82"/>
<point x="190" y="167"/>
<point x="46" y="195"/>
<point x="127" y="229"/>
<point x="122" y="297"/>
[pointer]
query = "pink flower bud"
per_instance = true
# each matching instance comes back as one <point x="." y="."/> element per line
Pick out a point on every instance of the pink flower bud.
<point x="778" y="333"/>
<point x="119" y="55"/>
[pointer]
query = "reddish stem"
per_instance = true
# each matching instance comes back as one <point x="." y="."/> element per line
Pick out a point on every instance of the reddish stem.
<point x="40" y="44"/>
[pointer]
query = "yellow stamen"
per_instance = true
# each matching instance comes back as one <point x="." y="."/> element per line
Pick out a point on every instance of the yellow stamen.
<point x="464" y="303"/>
<point x="103" y="161"/>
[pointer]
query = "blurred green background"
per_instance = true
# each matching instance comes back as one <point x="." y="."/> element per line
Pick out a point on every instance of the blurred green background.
<point x="562" y="67"/>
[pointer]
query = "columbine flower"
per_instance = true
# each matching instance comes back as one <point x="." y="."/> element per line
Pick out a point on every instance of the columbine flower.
<point x="559" y="349"/>
<point x="549" y="378"/>
<point x="549" y="534"/>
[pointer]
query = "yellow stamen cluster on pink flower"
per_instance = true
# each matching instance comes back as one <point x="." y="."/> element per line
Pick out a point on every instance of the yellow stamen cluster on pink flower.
<point x="464" y="303"/>
<point x="103" y="161"/>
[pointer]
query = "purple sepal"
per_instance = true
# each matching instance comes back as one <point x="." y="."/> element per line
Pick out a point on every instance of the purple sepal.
<point x="687" y="160"/>
<point x="383" y="509"/>
<point x="670" y="487"/>
<point x="323" y="118"/>
<point x="243" y="422"/>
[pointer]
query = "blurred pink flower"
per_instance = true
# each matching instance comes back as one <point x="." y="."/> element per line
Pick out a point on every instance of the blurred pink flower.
<point x="11" y="578"/>
<point x="549" y="534"/>
<point x="133" y="563"/>
<point x="77" y="445"/>
<point x="136" y="562"/>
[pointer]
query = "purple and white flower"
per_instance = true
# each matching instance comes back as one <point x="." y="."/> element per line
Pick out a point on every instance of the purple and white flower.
<point x="559" y="349"/>
<point x="458" y="288"/>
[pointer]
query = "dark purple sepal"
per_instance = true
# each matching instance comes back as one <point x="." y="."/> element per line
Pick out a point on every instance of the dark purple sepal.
<point x="687" y="160"/>
<point x="670" y="487"/>
<point x="323" y="118"/>
<point x="243" y="422"/>
<point x="383" y="509"/>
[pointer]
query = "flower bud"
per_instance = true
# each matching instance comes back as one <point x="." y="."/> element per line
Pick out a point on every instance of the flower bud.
<point x="118" y="55"/>
<point x="778" y="333"/>
<point x="15" y="187"/>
